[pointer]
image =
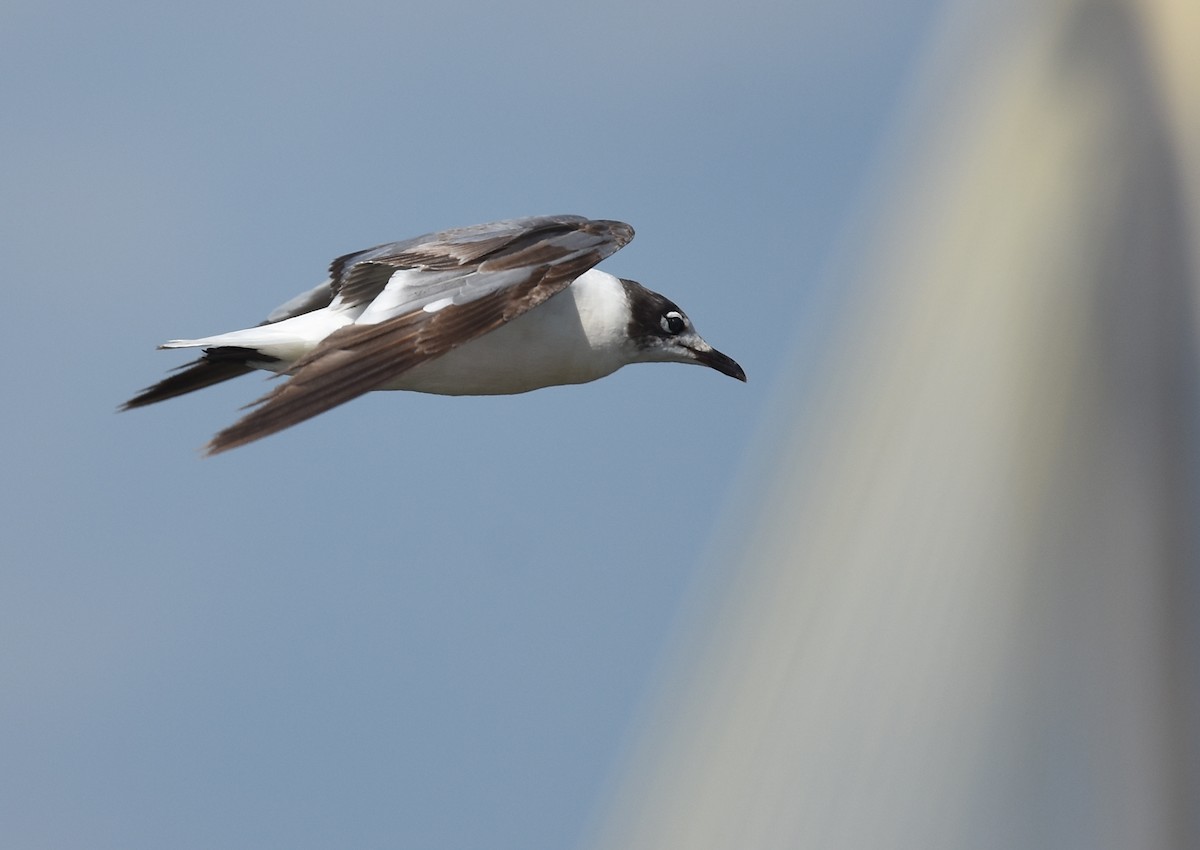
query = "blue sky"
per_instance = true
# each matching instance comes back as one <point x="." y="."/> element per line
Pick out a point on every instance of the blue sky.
<point x="414" y="621"/>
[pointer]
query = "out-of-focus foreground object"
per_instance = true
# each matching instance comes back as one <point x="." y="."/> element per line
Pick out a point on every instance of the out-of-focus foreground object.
<point x="963" y="613"/>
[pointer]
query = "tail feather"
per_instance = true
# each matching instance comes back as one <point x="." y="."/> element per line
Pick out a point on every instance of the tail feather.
<point x="288" y="333"/>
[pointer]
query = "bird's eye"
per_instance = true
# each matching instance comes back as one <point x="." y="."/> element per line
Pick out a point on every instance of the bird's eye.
<point x="673" y="322"/>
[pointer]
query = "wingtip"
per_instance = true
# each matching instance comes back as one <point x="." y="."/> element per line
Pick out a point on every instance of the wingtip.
<point x="144" y="398"/>
<point x="618" y="231"/>
<point x="227" y="439"/>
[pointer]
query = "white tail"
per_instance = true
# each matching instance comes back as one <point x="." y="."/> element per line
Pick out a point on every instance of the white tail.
<point x="285" y="341"/>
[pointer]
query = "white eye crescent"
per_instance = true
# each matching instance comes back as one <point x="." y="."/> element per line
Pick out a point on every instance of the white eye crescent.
<point x="673" y="322"/>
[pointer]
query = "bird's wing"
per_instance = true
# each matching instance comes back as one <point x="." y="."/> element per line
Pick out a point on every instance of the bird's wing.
<point x="461" y="265"/>
<point x="314" y="299"/>
<point x="424" y="297"/>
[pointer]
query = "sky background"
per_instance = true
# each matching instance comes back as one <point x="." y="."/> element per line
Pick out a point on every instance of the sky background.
<point x="414" y="621"/>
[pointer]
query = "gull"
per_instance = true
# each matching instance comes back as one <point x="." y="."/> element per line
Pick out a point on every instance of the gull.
<point x="492" y="309"/>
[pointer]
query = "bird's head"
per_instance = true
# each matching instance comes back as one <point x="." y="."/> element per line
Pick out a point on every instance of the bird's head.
<point x="662" y="333"/>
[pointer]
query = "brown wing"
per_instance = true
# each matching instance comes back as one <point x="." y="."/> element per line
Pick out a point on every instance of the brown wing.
<point x="359" y="358"/>
<point x="361" y="277"/>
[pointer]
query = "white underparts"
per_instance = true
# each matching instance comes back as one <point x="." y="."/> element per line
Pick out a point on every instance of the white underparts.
<point x="576" y="336"/>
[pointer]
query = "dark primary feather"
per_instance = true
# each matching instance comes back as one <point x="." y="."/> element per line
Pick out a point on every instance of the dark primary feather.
<point x="224" y="362"/>
<point x="359" y="358"/>
<point x="219" y="363"/>
<point x="187" y="378"/>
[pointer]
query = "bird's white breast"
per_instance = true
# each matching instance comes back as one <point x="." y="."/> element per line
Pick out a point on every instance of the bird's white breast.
<point x="578" y="335"/>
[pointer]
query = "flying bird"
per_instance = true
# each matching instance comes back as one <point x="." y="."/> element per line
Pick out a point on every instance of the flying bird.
<point x="492" y="309"/>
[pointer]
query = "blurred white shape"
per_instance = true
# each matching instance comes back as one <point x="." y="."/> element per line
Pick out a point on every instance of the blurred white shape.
<point x="965" y="612"/>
